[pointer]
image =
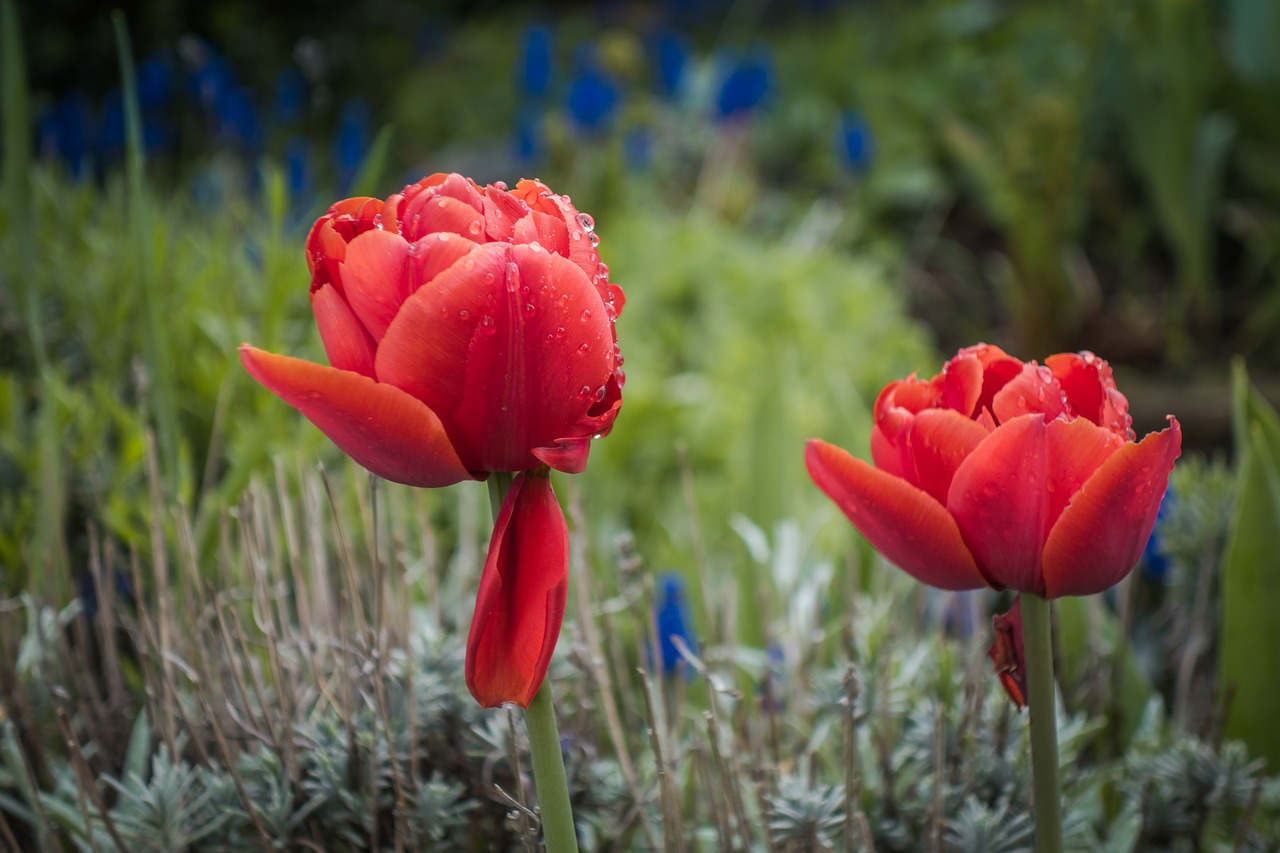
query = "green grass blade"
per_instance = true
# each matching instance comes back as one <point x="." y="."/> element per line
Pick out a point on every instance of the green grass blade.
<point x="1250" y="644"/>
<point x="368" y="180"/>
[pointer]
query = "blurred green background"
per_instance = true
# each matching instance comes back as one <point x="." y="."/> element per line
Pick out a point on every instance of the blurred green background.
<point x="803" y="201"/>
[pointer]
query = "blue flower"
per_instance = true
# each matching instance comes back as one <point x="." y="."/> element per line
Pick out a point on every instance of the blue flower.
<point x="746" y="85"/>
<point x="1155" y="565"/>
<point x="856" y="144"/>
<point x="673" y="55"/>
<point x="593" y="97"/>
<point x="291" y="96"/>
<point x="352" y="142"/>
<point x="671" y="613"/>
<point x="535" y="68"/>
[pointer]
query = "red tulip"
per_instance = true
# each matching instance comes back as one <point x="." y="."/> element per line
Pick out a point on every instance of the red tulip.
<point x="469" y="330"/>
<point x="1005" y="473"/>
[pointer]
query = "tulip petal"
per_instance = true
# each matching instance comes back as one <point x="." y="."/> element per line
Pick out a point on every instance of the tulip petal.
<point x="997" y="498"/>
<point x="1076" y="448"/>
<point x="1032" y="389"/>
<point x="510" y="346"/>
<point x="910" y="528"/>
<point x="1101" y="533"/>
<point x="345" y="340"/>
<point x="433" y="254"/>
<point x="937" y="442"/>
<point x="1091" y="391"/>
<point x="428" y="212"/>
<point x="521" y="600"/>
<point x="377" y="425"/>
<point x="375" y="275"/>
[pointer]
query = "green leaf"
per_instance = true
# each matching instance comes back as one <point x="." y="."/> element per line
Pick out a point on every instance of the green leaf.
<point x="1250" y="644"/>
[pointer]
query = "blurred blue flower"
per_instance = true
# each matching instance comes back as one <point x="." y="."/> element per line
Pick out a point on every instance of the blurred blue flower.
<point x="155" y="83"/>
<point x="856" y="143"/>
<point x="673" y="55"/>
<point x="352" y="141"/>
<point x="63" y="133"/>
<point x="637" y="147"/>
<point x="593" y="98"/>
<point x="298" y="166"/>
<point x="1155" y="565"/>
<point x="746" y="84"/>
<point x="237" y="118"/>
<point x="528" y="138"/>
<point x="673" y="620"/>
<point x="535" y="68"/>
<point x="109" y="138"/>
<point x="291" y="96"/>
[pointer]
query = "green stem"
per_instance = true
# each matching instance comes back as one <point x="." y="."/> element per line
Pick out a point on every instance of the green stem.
<point x="548" y="773"/>
<point x="544" y="737"/>
<point x="1037" y="638"/>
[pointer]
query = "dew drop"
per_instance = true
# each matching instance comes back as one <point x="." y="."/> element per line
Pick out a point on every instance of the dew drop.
<point x="530" y="309"/>
<point x="600" y="393"/>
<point x="475" y="226"/>
<point x="463" y="314"/>
<point x="584" y="391"/>
<point x="488" y="278"/>
<point x="469" y="264"/>
<point x="513" y="277"/>
<point x="500" y="185"/>
<point x="588" y="224"/>
<point x="559" y="331"/>
<point x="444" y="236"/>
<point x="586" y="315"/>
<point x="442" y="203"/>
<point x="486" y="321"/>
<point x="583" y="347"/>
<point x="377" y="221"/>
<point x="595" y="238"/>
<point x="577" y="235"/>
<point x="535" y="246"/>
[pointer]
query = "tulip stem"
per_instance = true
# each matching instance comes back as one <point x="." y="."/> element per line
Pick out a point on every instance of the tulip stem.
<point x="558" y="831"/>
<point x="1038" y="639"/>
<point x="548" y="773"/>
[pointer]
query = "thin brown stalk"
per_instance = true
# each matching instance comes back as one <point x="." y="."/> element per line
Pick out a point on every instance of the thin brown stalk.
<point x="669" y="797"/>
<point x="6" y="833"/>
<point x="527" y="825"/>
<point x="728" y="774"/>
<point x="160" y="566"/>
<point x="852" y="758"/>
<point x="938" y="816"/>
<point x="229" y="762"/>
<point x="695" y="538"/>
<point x="85" y="785"/>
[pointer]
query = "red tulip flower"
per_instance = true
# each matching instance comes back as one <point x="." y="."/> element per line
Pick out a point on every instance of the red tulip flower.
<point x="1003" y="473"/>
<point x="469" y="330"/>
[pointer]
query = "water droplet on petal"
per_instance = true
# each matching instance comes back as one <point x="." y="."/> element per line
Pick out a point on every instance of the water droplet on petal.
<point x="475" y="227"/>
<point x="588" y="224"/>
<point x="583" y="348"/>
<point x="595" y="238"/>
<point x="530" y="309"/>
<point x="463" y="314"/>
<point x="584" y="391"/>
<point x="586" y="315"/>
<point x="600" y="393"/>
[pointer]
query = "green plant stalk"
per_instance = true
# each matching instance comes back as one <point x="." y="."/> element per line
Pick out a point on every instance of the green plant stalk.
<point x="1037" y="639"/>
<point x="544" y="737"/>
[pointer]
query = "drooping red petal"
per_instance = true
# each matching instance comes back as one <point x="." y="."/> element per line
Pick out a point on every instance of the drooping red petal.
<point x="375" y="273"/>
<point x="345" y="339"/>
<point x="381" y="427"/>
<point x="1008" y="653"/>
<point x="997" y="498"/>
<point x="511" y="346"/>
<point x="1102" y="532"/>
<point x="910" y="528"/>
<point x="520" y="603"/>
<point x="1076" y="448"/>
<point x="937" y="442"/>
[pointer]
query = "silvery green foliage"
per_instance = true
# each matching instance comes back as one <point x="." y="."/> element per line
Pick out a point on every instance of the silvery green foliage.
<point x="166" y="811"/>
<point x="806" y="818"/>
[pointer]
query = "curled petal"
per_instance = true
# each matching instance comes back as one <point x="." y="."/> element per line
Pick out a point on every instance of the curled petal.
<point x="961" y="384"/>
<point x="502" y="211"/>
<point x="379" y="426"/>
<point x="910" y="528"/>
<point x="997" y="498"/>
<point x="1101" y="533"/>
<point x="428" y="212"/>
<point x="345" y="339"/>
<point x="1091" y="391"/>
<point x="433" y="254"/>
<point x="520" y="604"/>
<point x="1032" y="389"/>
<point x="1008" y="653"/>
